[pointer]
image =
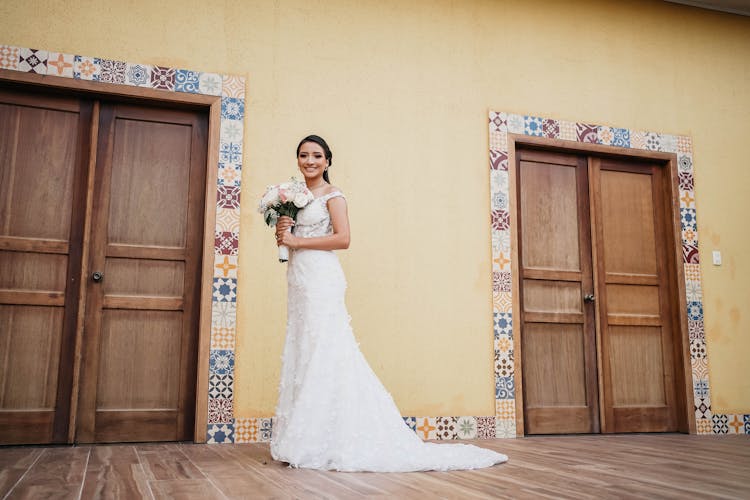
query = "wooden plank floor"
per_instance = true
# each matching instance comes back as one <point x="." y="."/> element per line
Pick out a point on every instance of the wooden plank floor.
<point x="595" y="466"/>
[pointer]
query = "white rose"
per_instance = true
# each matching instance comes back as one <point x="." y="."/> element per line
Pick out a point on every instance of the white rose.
<point x="300" y="200"/>
<point x="271" y="197"/>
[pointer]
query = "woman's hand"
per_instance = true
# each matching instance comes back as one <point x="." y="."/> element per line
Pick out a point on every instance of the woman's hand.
<point x="283" y="235"/>
<point x="289" y="240"/>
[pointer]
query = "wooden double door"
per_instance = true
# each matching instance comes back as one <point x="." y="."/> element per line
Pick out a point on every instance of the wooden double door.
<point x="599" y="331"/>
<point x="101" y="228"/>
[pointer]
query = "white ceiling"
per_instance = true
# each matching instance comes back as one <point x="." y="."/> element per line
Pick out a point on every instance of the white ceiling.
<point x="741" y="7"/>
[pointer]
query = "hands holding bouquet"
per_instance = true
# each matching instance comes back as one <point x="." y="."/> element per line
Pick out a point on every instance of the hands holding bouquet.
<point x="281" y="200"/>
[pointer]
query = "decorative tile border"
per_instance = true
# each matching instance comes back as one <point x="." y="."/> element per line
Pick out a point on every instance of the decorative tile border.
<point x="221" y="421"/>
<point x="500" y="124"/>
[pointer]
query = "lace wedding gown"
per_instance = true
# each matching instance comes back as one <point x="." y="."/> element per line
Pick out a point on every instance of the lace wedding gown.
<point x="333" y="412"/>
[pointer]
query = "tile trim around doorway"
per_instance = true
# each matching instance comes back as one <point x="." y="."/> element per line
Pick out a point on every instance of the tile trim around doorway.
<point x="500" y="125"/>
<point x="231" y="90"/>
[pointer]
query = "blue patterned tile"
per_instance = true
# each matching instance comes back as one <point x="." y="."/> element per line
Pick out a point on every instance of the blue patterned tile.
<point x="532" y="125"/>
<point x="265" y="429"/>
<point x="747" y="424"/>
<point x="221" y="362"/>
<point x="209" y="84"/>
<point x="230" y="152"/>
<point x="86" y="68"/>
<point x="687" y="218"/>
<point x="186" y="81"/>
<point x="138" y="75"/>
<point x="503" y="324"/>
<point x="695" y="311"/>
<point x="232" y="108"/>
<point x="700" y="389"/>
<point x="225" y="290"/>
<point x="505" y="388"/>
<point x="411" y="423"/>
<point x="220" y="433"/>
<point x="621" y="137"/>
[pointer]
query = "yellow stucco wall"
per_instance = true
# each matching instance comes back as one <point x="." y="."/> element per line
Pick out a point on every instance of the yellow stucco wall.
<point x="402" y="90"/>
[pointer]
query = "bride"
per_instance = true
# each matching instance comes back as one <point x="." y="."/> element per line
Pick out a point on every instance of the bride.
<point x="333" y="413"/>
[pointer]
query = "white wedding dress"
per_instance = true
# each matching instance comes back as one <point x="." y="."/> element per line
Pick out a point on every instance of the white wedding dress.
<point x="333" y="413"/>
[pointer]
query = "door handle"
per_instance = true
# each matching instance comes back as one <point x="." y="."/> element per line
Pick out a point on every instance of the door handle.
<point x="589" y="297"/>
<point x="97" y="276"/>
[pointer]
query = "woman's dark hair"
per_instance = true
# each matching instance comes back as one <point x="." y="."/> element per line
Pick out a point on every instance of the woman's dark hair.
<point x="326" y="150"/>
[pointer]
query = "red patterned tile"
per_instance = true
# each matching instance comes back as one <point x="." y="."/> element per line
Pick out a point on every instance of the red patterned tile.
<point x="227" y="243"/>
<point x="162" y="78"/>
<point x="586" y="132"/>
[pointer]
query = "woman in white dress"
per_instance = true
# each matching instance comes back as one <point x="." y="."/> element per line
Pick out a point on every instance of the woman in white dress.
<point x="333" y="413"/>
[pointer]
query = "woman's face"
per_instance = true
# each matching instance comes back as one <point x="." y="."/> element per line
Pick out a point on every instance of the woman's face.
<point x="311" y="160"/>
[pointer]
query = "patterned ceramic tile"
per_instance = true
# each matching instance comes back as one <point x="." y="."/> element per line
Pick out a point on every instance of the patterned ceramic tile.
<point x="227" y="243"/>
<point x="446" y="427"/>
<point x="501" y="282"/>
<point x="225" y="290"/>
<point x="9" y="57"/>
<point x="703" y="426"/>
<point x="138" y="75"/>
<point x="60" y="64"/>
<point x="687" y="198"/>
<point x="411" y="423"/>
<point x="220" y="411"/>
<point x="736" y="424"/>
<point x="686" y="181"/>
<point x="231" y="131"/>
<point x="500" y="200"/>
<point x="224" y="315"/>
<point x="747" y="423"/>
<point x="221" y="362"/>
<point x="112" y="71"/>
<point x="695" y="330"/>
<point x="532" y="125"/>
<point x="604" y="135"/>
<point x="246" y="430"/>
<point x="586" y="132"/>
<point x="690" y="253"/>
<point x="504" y="363"/>
<point x="498" y="160"/>
<point x="485" y="427"/>
<point x="230" y="152"/>
<point x="221" y="433"/>
<point x="694" y="292"/>
<point x="700" y="389"/>
<point x="233" y="86"/>
<point x="232" y="108"/>
<point x="668" y="143"/>
<point x="505" y="388"/>
<point x="568" y="131"/>
<point x="228" y="197"/>
<point x="32" y="61"/>
<point x="684" y="144"/>
<point x="503" y="343"/>
<point x="466" y="427"/>
<point x="498" y="122"/>
<point x="516" y="124"/>
<point x="695" y="311"/>
<point x="698" y="348"/>
<point x="505" y="428"/>
<point x="162" y="78"/>
<point x="222" y="337"/>
<point x="702" y="408"/>
<point x="221" y="386"/>
<point x="685" y="163"/>
<point x="720" y="424"/>
<point x="230" y="174"/>
<point x="500" y="220"/>
<point x="228" y="220"/>
<point x="502" y="324"/>
<point x="653" y="141"/>
<point x="209" y="84"/>
<point x="426" y="428"/>
<point x="187" y="81"/>
<point x="86" y="68"/>
<point x="500" y="262"/>
<point x="621" y="137"/>
<point x="505" y="409"/>
<point x="265" y="429"/>
<point x="638" y="139"/>
<point x="225" y="266"/>
<point x="502" y="302"/>
<point x="692" y="272"/>
<point x="699" y="368"/>
<point x="687" y="218"/>
<point x="499" y="140"/>
<point x="551" y="128"/>
<point x="499" y="180"/>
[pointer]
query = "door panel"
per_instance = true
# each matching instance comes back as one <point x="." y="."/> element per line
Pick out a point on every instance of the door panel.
<point x="634" y="297"/>
<point x="559" y="363"/>
<point x="141" y="322"/>
<point x="42" y="158"/>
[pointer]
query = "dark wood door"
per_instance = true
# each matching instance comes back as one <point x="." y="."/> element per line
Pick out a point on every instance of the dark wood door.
<point x="558" y="340"/>
<point x="140" y="342"/>
<point x="597" y="297"/>
<point x="43" y="154"/>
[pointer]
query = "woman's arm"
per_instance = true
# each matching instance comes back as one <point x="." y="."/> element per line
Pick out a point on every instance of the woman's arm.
<point x="339" y="240"/>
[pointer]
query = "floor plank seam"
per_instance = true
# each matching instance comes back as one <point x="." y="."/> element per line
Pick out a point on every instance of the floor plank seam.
<point x="24" y="474"/>
<point x="143" y="470"/>
<point x="83" y="476"/>
<point x="207" y="476"/>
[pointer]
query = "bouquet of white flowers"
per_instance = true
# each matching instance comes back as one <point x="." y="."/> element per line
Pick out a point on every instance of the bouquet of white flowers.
<point x="286" y="198"/>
